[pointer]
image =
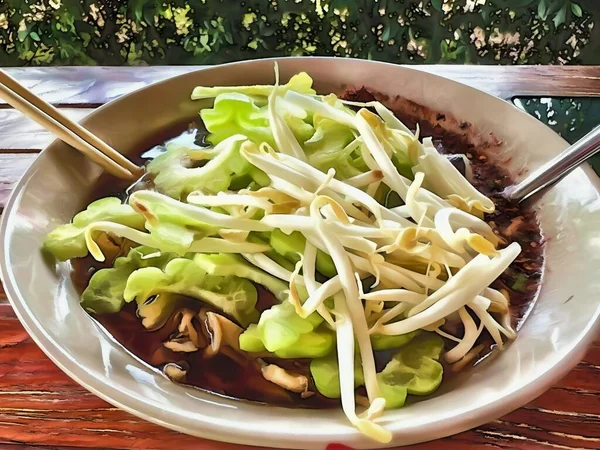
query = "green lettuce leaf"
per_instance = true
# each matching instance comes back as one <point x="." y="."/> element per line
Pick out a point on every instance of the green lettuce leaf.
<point x="236" y="113"/>
<point x="234" y="296"/>
<point x="290" y="246"/>
<point x="300" y="82"/>
<point x="403" y="164"/>
<point x="283" y="332"/>
<point x="68" y="241"/>
<point x="171" y="229"/>
<point x="251" y="340"/>
<point x="329" y="148"/>
<point x="413" y="370"/>
<point x="326" y="375"/>
<point x="385" y="342"/>
<point x="315" y="344"/>
<point x="104" y="293"/>
<point x="174" y="179"/>
<point x="225" y="264"/>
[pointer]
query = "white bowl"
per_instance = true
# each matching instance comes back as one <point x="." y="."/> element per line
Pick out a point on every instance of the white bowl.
<point x="553" y="339"/>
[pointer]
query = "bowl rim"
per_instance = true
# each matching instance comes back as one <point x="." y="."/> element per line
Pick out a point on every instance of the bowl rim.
<point x="53" y="349"/>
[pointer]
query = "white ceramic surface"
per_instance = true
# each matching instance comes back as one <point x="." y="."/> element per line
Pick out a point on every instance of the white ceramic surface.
<point x="552" y="340"/>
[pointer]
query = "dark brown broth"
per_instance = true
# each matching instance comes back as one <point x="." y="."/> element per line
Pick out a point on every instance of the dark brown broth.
<point x="238" y="378"/>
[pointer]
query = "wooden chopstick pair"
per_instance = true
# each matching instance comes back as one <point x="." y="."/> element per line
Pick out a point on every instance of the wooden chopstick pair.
<point x="22" y="99"/>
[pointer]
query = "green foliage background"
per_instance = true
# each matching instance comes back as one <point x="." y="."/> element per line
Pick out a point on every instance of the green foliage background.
<point x="113" y="32"/>
<point x="144" y="32"/>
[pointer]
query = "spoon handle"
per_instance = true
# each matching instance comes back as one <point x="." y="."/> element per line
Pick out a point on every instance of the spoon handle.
<point x="559" y="166"/>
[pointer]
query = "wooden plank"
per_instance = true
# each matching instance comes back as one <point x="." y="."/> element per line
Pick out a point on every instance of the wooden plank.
<point x="513" y="81"/>
<point x="98" y="85"/>
<point x="13" y="446"/>
<point x="19" y="133"/>
<point x="41" y="405"/>
<point x="90" y="85"/>
<point x="12" y="166"/>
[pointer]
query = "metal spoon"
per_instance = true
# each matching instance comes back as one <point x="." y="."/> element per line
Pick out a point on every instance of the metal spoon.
<point x="555" y="169"/>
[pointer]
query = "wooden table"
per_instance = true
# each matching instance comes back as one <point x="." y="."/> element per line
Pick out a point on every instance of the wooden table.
<point x="41" y="406"/>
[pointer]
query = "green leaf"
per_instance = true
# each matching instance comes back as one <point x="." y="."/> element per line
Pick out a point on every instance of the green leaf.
<point x="68" y="241"/>
<point x="174" y="179"/>
<point x="326" y="375"/>
<point x="386" y="34"/>
<point x="287" y="335"/>
<point x="33" y="35"/>
<point x="300" y="82"/>
<point x="542" y="10"/>
<point x="22" y="35"/>
<point x="329" y="148"/>
<point x="234" y="296"/>
<point x="402" y="161"/>
<point x="235" y="113"/>
<point x="555" y="5"/>
<point x="430" y="346"/>
<point x="520" y="283"/>
<point x="560" y="16"/>
<point x="392" y="391"/>
<point x="413" y="370"/>
<point x="437" y="4"/>
<point x="224" y="265"/>
<point x="290" y="246"/>
<point x="137" y="6"/>
<point x="104" y="293"/>
<point x="576" y="9"/>
<point x="310" y="345"/>
<point x="384" y="342"/>
<point x="171" y="228"/>
<point x="251" y="340"/>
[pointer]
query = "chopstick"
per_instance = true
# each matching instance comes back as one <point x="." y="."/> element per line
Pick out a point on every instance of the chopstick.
<point x="67" y="130"/>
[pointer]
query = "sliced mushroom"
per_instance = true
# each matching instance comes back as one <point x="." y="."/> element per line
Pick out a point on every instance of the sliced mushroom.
<point x="222" y="332"/>
<point x="287" y="380"/>
<point x="175" y="372"/>
<point x="160" y="311"/>
<point x="185" y="317"/>
<point x="187" y="328"/>
<point x="306" y="394"/>
<point x="181" y="344"/>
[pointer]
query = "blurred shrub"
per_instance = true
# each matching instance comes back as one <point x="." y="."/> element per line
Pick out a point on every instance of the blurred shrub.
<point x="114" y="32"/>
